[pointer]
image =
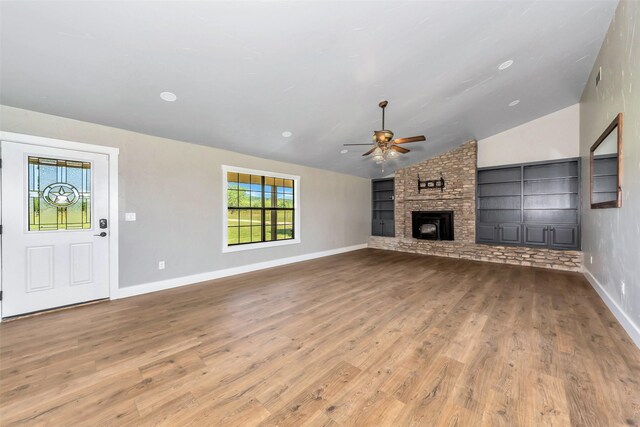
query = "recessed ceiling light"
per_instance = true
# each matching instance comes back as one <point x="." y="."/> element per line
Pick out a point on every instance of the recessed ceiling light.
<point x="505" y="65"/>
<point x="286" y="134"/>
<point x="514" y="103"/>
<point x="168" y="96"/>
<point x="345" y="151"/>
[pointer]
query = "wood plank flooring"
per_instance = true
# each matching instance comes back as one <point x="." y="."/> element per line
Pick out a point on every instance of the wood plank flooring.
<point x="365" y="338"/>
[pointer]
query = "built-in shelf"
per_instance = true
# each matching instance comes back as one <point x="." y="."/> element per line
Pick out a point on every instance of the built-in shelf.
<point x="522" y="204"/>
<point x="550" y="209"/>
<point x="499" y="182"/>
<point x="500" y="209"/>
<point x="382" y="207"/>
<point x="550" y="194"/>
<point x="551" y="178"/>
<point x="504" y="195"/>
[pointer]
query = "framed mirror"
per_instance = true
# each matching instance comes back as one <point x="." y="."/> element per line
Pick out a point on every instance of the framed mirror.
<point x="606" y="167"/>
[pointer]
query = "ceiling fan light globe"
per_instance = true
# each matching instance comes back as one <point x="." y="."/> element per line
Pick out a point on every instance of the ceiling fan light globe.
<point x="393" y="154"/>
<point x="377" y="152"/>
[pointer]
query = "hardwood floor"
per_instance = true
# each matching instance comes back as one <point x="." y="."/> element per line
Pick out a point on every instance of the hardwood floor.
<point x="364" y="338"/>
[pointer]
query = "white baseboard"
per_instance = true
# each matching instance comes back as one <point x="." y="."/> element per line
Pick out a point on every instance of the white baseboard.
<point x="145" y="288"/>
<point x="627" y="323"/>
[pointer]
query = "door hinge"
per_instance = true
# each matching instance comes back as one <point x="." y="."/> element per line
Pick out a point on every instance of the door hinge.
<point x="0" y="295"/>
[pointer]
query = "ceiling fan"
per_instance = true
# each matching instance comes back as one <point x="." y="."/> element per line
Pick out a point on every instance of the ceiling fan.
<point x="384" y="147"/>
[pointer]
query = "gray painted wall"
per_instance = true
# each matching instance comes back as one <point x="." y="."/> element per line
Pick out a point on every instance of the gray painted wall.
<point x="612" y="236"/>
<point x="175" y="190"/>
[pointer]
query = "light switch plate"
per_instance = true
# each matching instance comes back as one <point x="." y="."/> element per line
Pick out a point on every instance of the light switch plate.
<point x="130" y="216"/>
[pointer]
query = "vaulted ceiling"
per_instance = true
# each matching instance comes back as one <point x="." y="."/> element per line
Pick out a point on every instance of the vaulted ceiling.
<point x="245" y="72"/>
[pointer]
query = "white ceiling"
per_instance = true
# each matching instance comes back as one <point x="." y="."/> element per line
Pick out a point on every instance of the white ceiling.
<point x="244" y="72"/>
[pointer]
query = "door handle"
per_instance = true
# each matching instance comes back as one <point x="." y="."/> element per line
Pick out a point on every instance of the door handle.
<point x="103" y="234"/>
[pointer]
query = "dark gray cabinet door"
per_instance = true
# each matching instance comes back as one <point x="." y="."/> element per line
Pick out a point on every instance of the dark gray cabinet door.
<point x="535" y="235"/>
<point x="564" y="236"/>
<point x="510" y="234"/>
<point x="388" y="228"/>
<point x="376" y="227"/>
<point x="384" y="228"/>
<point x="487" y="233"/>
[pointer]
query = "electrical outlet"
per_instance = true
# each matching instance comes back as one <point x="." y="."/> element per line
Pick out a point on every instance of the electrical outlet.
<point x="130" y="216"/>
<point x="161" y="265"/>
<point x="623" y="288"/>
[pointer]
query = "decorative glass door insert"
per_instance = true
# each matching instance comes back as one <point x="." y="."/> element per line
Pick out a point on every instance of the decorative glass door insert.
<point x="59" y="194"/>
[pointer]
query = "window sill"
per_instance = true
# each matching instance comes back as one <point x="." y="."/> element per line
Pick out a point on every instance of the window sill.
<point x="261" y="245"/>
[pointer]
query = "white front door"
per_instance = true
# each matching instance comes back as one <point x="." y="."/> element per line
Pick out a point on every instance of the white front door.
<point x="55" y="219"/>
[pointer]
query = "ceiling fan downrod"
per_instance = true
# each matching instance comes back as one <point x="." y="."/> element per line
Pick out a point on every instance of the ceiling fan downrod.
<point x="383" y="105"/>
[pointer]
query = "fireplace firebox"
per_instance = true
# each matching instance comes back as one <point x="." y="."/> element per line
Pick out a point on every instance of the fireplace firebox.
<point x="432" y="225"/>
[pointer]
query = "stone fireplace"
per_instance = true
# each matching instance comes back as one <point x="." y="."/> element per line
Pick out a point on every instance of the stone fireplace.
<point x="458" y="168"/>
<point x="416" y="233"/>
<point x="432" y="225"/>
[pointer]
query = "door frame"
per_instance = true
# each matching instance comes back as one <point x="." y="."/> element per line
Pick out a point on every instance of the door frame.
<point x="112" y="155"/>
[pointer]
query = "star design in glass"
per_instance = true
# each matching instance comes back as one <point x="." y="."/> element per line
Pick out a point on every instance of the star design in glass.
<point x="61" y="197"/>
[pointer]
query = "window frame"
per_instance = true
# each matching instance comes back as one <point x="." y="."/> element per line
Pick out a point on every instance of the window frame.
<point x="225" y="208"/>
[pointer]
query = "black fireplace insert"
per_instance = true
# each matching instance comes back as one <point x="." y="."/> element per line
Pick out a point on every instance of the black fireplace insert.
<point x="432" y="225"/>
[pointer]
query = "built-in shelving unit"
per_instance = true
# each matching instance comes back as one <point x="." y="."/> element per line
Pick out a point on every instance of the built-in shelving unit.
<point x="382" y="209"/>
<point x="532" y="204"/>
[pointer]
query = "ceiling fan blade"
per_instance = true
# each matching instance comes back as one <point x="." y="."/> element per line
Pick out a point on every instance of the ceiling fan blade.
<point x="410" y="139"/>
<point x="357" y="144"/>
<point x="369" y="152"/>
<point x="399" y="149"/>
